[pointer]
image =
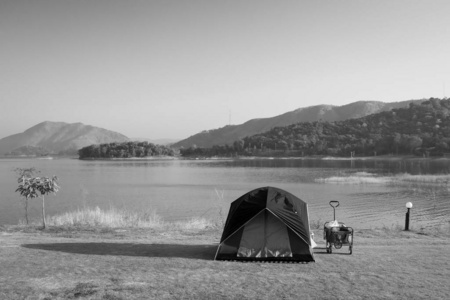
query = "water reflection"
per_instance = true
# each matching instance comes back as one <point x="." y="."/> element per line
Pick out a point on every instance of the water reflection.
<point x="181" y="189"/>
<point x="390" y="166"/>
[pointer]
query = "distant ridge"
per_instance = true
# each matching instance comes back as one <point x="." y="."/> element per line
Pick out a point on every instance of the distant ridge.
<point x="57" y="138"/>
<point x="330" y="113"/>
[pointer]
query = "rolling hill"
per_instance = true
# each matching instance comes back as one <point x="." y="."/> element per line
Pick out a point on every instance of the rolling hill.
<point x="231" y="133"/>
<point x="57" y="138"/>
<point x="419" y="129"/>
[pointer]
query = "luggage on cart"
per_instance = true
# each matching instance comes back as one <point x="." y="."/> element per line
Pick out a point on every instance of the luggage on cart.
<point x="336" y="233"/>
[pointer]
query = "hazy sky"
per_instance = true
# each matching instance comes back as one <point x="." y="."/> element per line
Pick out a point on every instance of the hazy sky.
<point x="170" y="69"/>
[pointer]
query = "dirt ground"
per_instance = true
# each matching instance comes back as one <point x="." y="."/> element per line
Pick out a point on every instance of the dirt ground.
<point x="147" y="264"/>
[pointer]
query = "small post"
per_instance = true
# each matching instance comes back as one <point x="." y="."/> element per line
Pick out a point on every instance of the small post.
<point x="408" y="206"/>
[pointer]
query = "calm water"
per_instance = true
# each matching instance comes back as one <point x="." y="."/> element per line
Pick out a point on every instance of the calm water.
<point x="181" y="189"/>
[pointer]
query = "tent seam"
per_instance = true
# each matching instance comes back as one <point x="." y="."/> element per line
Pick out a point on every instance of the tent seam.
<point x="218" y="248"/>
<point x="290" y="226"/>
<point x="237" y="231"/>
<point x="309" y="228"/>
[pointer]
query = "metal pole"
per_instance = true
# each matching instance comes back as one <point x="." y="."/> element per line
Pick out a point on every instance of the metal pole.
<point x="407" y="220"/>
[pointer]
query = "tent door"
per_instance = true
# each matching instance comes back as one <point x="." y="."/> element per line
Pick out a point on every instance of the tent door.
<point x="265" y="236"/>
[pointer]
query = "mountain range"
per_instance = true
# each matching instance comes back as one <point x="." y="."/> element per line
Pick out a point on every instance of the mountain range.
<point x="419" y="129"/>
<point x="330" y="113"/>
<point x="64" y="138"/>
<point x="57" y="138"/>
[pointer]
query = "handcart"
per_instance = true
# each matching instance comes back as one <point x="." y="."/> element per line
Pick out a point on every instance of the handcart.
<point x="336" y="233"/>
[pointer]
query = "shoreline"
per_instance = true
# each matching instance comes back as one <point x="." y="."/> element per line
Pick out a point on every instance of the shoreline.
<point x="380" y="157"/>
<point x="313" y="157"/>
<point x="131" y="158"/>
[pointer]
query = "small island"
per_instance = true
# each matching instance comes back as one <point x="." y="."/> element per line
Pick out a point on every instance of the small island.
<point x="125" y="150"/>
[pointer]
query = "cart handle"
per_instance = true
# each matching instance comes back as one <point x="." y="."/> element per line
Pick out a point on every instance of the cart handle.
<point x="334" y="207"/>
<point x="333" y="202"/>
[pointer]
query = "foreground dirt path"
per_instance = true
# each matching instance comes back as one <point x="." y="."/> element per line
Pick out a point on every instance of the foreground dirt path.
<point x="150" y="265"/>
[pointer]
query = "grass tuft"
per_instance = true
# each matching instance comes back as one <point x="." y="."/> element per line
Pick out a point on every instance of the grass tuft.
<point x="316" y="224"/>
<point x="363" y="178"/>
<point x="111" y="217"/>
<point x="82" y="289"/>
<point x="435" y="179"/>
<point x="358" y="179"/>
<point x="194" y="224"/>
<point x="108" y="219"/>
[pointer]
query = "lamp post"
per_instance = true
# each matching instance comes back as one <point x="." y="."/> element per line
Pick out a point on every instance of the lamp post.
<point x="408" y="206"/>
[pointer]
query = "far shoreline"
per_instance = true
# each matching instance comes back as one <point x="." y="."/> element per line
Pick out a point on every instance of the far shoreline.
<point x="313" y="157"/>
<point x="318" y="157"/>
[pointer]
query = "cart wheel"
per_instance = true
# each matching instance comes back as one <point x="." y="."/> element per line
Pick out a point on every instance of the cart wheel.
<point x="338" y="244"/>
<point x="350" y="250"/>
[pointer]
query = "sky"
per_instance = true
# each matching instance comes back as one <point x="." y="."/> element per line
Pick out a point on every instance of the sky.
<point x="171" y="69"/>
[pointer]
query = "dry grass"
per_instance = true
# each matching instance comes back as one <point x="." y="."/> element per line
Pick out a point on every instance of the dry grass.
<point x="86" y="255"/>
<point x="111" y="217"/>
<point x="434" y="179"/>
<point x="118" y="218"/>
<point x="368" y="178"/>
<point x="154" y="265"/>
<point x="355" y="180"/>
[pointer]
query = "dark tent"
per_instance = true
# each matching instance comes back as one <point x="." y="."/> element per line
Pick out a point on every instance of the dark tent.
<point x="267" y="224"/>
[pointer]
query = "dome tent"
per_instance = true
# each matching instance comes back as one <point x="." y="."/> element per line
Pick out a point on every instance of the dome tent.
<point x="266" y="224"/>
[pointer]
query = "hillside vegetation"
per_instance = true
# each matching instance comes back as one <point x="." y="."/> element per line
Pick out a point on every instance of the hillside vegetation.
<point x="329" y="113"/>
<point x="56" y="138"/>
<point x="419" y="129"/>
<point x="29" y="151"/>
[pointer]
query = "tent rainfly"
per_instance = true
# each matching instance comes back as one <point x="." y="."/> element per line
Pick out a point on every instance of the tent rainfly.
<point x="267" y="224"/>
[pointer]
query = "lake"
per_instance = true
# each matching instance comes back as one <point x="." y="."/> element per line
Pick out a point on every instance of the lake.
<point x="182" y="189"/>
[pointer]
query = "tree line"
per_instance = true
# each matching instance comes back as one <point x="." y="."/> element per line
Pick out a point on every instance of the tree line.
<point x="124" y="150"/>
<point x="420" y="129"/>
